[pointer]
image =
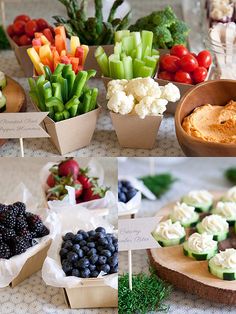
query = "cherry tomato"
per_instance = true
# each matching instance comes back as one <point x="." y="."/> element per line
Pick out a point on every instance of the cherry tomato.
<point x="10" y="30"/>
<point x="31" y="28"/>
<point x="164" y="75"/>
<point x="169" y="63"/>
<point x="199" y="74"/>
<point x="204" y="59"/>
<point x="179" y="51"/>
<point x="25" y="40"/>
<point x="19" y="27"/>
<point x="16" y="39"/>
<point x="183" y="77"/>
<point x="42" y="24"/>
<point x="188" y="63"/>
<point x="23" y="17"/>
<point x="193" y="54"/>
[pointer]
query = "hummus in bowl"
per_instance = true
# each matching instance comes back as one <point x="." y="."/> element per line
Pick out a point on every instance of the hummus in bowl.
<point x="212" y="123"/>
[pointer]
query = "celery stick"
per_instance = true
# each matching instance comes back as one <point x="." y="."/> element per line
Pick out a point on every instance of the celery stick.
<point x="128" y="44"/>
<point x="147" y="40"/>
<point x="59" y="68"/>
<point x="155" y="52"/>
<point x="66" y="114"/>
<point x="145" y="71"/>
<point x="98" y="52"/>
<point x="117" y="69"/>
<point x="73" y="111"/>
<point x="137" y="64"/>
<point x="147" y="52"/>
<point x="121" y="34"/>
<point x="128" y="67"/>
<point x="111" y="58"/>
<point x="103" y="64"/>
<point x="122" y="55"/>
<point x="137" y="38"/>
<point x="150" y="62"/>
<point x="118" y="48"/>
<point x="139" y="51"/>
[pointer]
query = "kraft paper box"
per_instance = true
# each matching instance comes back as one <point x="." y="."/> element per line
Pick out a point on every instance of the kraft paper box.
<point x="32" y="266"/>
<point x="22" y="57"/>
<point x="97" y="296"/>
<point x="72" y="134"/>
<point x="133" y="132"/>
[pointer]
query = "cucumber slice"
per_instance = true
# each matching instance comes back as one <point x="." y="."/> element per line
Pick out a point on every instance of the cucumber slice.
<point x="165" y="243"/>
<point x="217" y="237"/>
<point x="3" y="80"/>
<point x="199" y="256"/>
<point x="191" y="223"/>
<point x="222" y="273"/>
<point x="3" y="102"/>
<point x="199" y="208"/>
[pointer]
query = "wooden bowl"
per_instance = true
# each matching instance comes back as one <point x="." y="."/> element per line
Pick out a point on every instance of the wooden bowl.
<point x="218" y="92"/>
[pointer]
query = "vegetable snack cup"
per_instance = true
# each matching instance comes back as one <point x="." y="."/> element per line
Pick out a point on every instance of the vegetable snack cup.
<point x="79" y="293"/>
<point x="22" y="56"/>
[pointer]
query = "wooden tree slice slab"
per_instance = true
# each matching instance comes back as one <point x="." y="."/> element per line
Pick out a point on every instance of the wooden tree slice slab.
<point x="16" y="98"/>
<point x="190" y="275"/>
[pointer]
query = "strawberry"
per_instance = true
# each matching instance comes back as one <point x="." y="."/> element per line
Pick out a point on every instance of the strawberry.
<point x="84" y="179"/>
<point x="68" y="167"/>
<point x="51" y="180"/>
<point x="78" y="188"/>
<point x="93" y="193"/>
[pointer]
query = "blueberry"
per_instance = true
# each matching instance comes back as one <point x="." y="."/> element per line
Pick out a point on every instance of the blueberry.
<point x="77" y="238"/>
<point x="114" y="269"/>
<point x="100" y="229"/>
<point x="68" y="236"/>
<point x="92" y="267"/>
<point x="102" y="260"/>
<point x="109" y="239"/>
<point x="106" y="268"/>
<point x="67" y="266"/>
<point x="130" y="194"/>
<point x="91" y="244"/>
<point x="122" y="197"/>
<point x="106" y="253"/>
<point x="119" y="184"/>
<point x="94" y="274"/>
<point x="83" y="263"/>
<point x="72" y="257"/>
<point x="100" y="248"/>
<point x="114" y="240"/>
<point x="85" y="273"/>
<point x="63" y="252"/>
<point x="113" y="261"/>
<point x="75" y="272"/>
<point x="76" y="248"/>
<point x="91" y="252"/>
<point x="82" y="243"/>
<point x="84" y="234"/>
<point x="124" y="189"/>
<point x="93" y="259"/>
<point x="85" y="249"/>
<point x="110" y="247"/>
<point x="92" y="233"/>
<point x="67" y="245"/>
<point x="116" y="247"/>
<point x="102" y="241"/>
<point x="100" y="235"/>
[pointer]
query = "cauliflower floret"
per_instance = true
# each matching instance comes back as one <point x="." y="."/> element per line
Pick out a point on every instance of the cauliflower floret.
<point x="142" y="87"/>
<point x="150" y="106"/>
<point x="114" y="86"/>
<point x="121" y="103"/>
<point x="170" y="92"/>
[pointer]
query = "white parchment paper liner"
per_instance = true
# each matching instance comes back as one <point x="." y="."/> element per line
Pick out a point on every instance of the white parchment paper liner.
<point x="71" y="220"/>
<point x="10" y="268"/>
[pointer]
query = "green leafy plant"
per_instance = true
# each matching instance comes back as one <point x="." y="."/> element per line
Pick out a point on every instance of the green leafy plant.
<point x="4" y="44"/>
<point x="92" y="30"/>
<point x="167" y="28"/>
<point x="230" y="174"/>
<point x="158" y="184"/>
<point x="148" y="293"/>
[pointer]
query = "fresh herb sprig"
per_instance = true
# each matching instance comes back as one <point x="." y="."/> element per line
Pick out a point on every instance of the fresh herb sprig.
<point x="230" y="174"/>
<point x="148" y="294"/>
<point x="158" y="184"/>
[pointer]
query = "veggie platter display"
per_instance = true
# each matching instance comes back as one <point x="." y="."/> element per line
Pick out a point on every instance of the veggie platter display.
<point x="197" y="235"/>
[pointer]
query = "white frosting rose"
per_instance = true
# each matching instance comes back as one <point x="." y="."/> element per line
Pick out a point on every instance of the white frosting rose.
<point x="201" y="243"/>
<point x="169" y="231"/>
<point x="214" y="224"/>
<point x="200" y="196"/>
<point x="182" y="212"/>
<point x="225" y="259"/>
<point x="230" y="196"/>
<point x="226" y="210"/>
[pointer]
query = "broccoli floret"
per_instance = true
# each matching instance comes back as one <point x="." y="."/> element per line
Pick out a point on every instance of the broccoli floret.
<point x="179" y="27"/>
<point x="164" y="18"/>
<point x="162" y="36"/>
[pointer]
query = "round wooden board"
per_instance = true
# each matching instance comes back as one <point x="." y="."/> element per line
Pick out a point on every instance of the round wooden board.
<point x="16" y="98"/>
<point x="190" y="275"/>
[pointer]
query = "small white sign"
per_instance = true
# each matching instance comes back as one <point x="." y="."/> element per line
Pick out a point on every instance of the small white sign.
<point x="136" y="234"/>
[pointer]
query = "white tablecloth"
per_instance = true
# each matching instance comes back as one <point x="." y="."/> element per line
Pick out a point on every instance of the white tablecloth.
<point x="191" y="173"/>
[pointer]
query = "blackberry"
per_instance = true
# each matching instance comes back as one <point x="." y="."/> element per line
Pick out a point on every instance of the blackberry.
<point x="35" y="223"/>
<point x="13" y="209"/>
<point x="26" y="234"/>
<point x="19" y="245"/>
<point x="21" y="208"/>
<point x="8" y="219"/>
<point x="8" y="234"/>
<point x="4" y="251"/>
<point x="44" y="232"/>
<point x="21" y="223"/>
<point x="3" y="207"/>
